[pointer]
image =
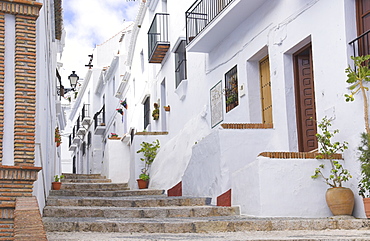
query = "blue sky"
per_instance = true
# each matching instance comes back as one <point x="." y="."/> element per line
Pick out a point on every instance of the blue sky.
<point x="88" y="23"/>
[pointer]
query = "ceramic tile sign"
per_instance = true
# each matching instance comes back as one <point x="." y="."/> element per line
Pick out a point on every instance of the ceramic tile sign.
<point x="216" y="104"/>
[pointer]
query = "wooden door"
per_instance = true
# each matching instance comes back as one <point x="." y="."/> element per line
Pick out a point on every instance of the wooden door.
<point x="305" y="100"/>
<point x="363" y="24"/>
<point x="266" y="99"/>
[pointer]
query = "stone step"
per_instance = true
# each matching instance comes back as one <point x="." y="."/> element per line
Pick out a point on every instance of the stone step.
<point x="83" y="176"/>
<point x="134" y="212"/>
<point x="128" y="201"/>
<point x="97" y="193"/>
<point x="86" y="181"/>
<point x="95" y="186"/>
<point x="199" y="225"/>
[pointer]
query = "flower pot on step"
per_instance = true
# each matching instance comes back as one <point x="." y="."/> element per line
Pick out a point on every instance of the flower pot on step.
<point x="56" y="185"/>
<point x="142" y="184"/>
<point x="340" y="200"/>
<point x="367" y="206"/>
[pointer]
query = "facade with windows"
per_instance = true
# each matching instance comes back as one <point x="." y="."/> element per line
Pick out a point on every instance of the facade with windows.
<point x="245" y="82"/>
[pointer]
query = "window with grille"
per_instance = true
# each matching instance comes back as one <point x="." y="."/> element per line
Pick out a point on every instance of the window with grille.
<point x="231" y="89"/>
<point x="146" y="112"/>
<point x="180" y="63"/>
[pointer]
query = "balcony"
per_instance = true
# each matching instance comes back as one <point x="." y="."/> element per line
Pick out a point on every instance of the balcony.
<point x="208" y="22"/>
<point x="158" y="43"/>
<point x="72" y="146"/>
<point x="86" y="119"/>
<point x="99" y="120"/>
<point x="81" y="131"/>
<point x="75" y="138"/>
<point x="361" y="44"/>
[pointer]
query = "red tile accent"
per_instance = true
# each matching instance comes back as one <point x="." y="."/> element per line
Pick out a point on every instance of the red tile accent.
<point x="297" y="155"/>
<point x="175" y="191"/>
<point x="246" y="126"/>
<point x="224" y="199"/>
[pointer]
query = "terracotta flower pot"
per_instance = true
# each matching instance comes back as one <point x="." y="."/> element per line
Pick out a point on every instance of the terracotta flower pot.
<point x="142" y="184"/>
<point x="367" y="206"/>
<point x="56" y="185"/>
<point x="340" y="200"/>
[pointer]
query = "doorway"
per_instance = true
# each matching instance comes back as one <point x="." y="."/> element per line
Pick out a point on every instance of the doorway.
<point x="305" y="99"/>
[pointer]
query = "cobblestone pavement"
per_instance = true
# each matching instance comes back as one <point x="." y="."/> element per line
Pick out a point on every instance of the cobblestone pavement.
<point x="235" y="236"/>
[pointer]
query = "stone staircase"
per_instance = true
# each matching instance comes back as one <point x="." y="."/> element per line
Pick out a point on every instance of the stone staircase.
<point x="91" y="203"/>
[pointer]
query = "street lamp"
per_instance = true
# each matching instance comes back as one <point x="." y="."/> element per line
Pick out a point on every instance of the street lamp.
<point x="73" y="78"/>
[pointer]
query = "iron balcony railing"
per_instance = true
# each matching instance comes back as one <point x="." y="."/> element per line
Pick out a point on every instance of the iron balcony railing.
<point x="99" y="117"/>
<point x="70" y="140"/>
<point x="361" y="44"/>
<point x="201" y="13"/>
<point x="78" y="123"/>
<point x="85" y="111"/>
<point x="158" y="32"/>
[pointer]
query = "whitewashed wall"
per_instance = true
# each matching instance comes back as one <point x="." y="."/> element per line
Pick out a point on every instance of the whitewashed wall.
<point x="219" y="157"/>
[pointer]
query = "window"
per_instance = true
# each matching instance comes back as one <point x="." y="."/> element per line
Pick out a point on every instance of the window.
<point x="146" y="112"/>
<point x="265" y="81"/>
<point x="180" y="62"/>
<point x="231" y="89"/>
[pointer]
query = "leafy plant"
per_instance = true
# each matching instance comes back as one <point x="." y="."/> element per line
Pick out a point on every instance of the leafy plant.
<point x="155" y="112"/>
<point x="329" y="150"/>
<point x="150" y="152"/>
<point x="57" y="178"/>
<point x="357" y="77"/>
<point x="364" y="148"/>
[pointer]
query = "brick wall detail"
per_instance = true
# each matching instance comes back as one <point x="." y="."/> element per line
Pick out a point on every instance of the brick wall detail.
<point x="296" y="155"/>
<point x="25" y="90"/>
<point x="246" y="126"/>
<point x="27" y="220"/>
<point x="24" y="7"/>
<point x="15" y="181"/>
<point x="2" y="76"/>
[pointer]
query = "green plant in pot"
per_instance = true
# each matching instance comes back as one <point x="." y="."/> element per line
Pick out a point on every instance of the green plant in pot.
<point x="155" y="113"/>
<point x="56" y="185"/>
<point x="149" y="151"/>
<point x="339" y="199"/>
<point x="357" y="78"/>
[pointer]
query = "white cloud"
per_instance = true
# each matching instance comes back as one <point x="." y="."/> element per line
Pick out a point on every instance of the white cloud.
<point x="88" y="23"/>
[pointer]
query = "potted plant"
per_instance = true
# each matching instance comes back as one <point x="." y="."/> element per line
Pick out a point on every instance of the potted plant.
<point x="364" y="185"/>
<point x="167" y="108"/>
<point x="357" y="77"/>
<point x="339" y="199"/>
<point x="57" y="184"/>
<point x="119" y="110"/>
<point x="58" y="138"/>
<point x="113" y="136"/>
<point x="155" y="113"/>
<point x="149" y="151"/>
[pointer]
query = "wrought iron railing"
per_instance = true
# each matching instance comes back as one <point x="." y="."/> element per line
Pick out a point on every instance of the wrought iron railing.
<point x="158" y="32"/>
<point x="201" y="13"/>
<point x="85" y="111"/>
<point x="99" y="117"/>
<point x="78" y="123"/>
<point x="361" y="44"/>
<point x="69" y="140"/>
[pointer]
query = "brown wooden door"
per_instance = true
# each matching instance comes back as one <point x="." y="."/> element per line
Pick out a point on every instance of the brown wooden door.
<point x="266" y="99"/>
<point x="305" y="100"/>
<point x="363" y="24"/>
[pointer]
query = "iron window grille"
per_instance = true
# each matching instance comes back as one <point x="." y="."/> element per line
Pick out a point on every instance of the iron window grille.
<point x="180" y="63"/>
<point x="231" y="89"/>
<point x="146" y="112"/>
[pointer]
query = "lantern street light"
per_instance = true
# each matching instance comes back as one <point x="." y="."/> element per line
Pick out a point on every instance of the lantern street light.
<point x="73" y="78"/>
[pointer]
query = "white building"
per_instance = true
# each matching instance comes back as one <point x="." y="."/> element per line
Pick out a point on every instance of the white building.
<point x="243" y="80"/>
